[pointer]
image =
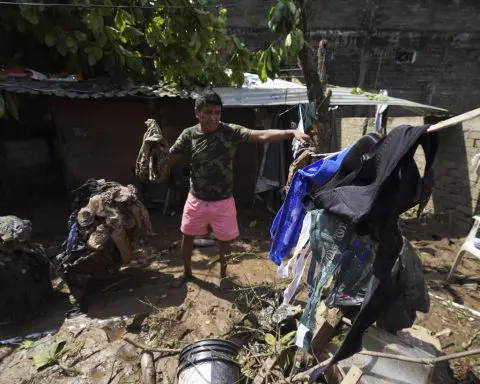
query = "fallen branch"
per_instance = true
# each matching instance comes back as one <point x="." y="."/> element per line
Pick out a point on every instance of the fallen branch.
<point x="165" y="351"/>
<point x="429" y="361"/>
<point x="456" y="305"/>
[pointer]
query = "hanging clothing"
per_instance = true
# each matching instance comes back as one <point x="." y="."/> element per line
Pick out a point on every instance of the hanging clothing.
<point x="298" y="262"/>
<point x="330" y="237"/>
<point x="287" y="224"/>
<point x="373" y="186"/>
<point x="379" y="112"/>
<point x="271" y="174"/>
<point x="152" y="159"/>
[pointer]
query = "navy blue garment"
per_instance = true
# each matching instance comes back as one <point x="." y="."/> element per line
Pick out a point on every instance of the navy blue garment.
<point x="288" y="222"/>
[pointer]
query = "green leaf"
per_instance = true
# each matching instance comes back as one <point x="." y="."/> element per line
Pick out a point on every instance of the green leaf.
<point x="158" y="21"/>
<point x="270" y="339"/>
<point x="11" y="105"/>
<point x="253" y="224"/>
<point x="49" y="355"/>
<point x="80" y="36"/>
<point x="26" y="344"/>
<point x="29" y="14"/>
<point x="285" y="340"/>
<point x="123" y="19"/>
<point x="50" y="39"/>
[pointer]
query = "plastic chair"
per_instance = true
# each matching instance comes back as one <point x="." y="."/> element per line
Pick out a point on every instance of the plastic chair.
<point x="468" y="246"/>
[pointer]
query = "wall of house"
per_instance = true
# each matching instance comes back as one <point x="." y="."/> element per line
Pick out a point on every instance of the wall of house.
<point x="30" y="165"/>
<point x="101" y="138"/>
<point x="366" y="37"/>
<point x="457" y="185"/>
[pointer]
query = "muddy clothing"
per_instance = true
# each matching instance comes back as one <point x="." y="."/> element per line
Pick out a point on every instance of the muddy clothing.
<point x="212" y="154"/>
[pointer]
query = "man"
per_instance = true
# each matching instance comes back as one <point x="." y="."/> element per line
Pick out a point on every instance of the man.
<point x="212" y="145"/>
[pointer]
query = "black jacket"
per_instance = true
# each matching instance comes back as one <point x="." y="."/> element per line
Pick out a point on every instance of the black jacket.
<point x="374" y="185"/>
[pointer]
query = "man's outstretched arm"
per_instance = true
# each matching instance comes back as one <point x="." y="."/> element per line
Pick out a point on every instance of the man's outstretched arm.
<point x="269" y="135"/>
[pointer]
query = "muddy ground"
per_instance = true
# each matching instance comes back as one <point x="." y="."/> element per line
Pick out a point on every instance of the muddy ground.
<point x="95" y="352"/>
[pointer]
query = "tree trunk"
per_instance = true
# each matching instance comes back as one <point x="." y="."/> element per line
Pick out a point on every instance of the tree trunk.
<point x="316" y="82"/>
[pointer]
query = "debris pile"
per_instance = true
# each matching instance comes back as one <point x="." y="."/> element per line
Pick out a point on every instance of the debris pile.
<point x="101" y="228"/>
<point x="25" y="283"/>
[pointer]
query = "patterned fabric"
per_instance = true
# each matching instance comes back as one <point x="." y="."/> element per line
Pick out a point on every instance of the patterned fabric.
<point x="152" y="160"/>
<point x="212" y="154"/>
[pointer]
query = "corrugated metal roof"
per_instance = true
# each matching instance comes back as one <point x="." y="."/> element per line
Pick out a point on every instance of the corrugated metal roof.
<point x="253" y="93"/>
<point x="281" y="92"/>
<point x="86" y="89"/>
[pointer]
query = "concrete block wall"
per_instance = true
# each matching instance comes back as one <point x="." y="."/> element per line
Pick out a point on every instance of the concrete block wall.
<point x="365" y="37"/>
<point x="457" y="184"/>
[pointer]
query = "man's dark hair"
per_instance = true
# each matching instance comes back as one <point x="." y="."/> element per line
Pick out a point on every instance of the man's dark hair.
<point x="208" y="97"/>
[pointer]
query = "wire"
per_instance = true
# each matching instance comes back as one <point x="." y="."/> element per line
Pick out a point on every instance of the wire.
<point x="84" y="6"/>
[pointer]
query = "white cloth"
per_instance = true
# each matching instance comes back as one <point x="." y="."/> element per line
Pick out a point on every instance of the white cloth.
<point x="297" y="264"/>
<point x="301" y="128"/>
<point x="381" y="108"/>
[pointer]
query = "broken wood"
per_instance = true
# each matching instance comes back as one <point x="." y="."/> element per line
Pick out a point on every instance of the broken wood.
<point x="353" y="376"/>
<point x="165" y="351"/>
<point x="326" y="326"/>
<point x="148" y="368"/>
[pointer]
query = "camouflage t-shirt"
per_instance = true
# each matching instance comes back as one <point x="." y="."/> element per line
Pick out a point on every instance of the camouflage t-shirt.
<point x="211" y="162"/>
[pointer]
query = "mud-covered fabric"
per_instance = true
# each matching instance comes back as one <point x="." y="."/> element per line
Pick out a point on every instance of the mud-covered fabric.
<point x="211" y="159"/>
<point x="152" y="159"/>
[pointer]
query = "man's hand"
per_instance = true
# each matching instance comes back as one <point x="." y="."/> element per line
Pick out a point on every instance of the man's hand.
<point x="302" y="137"/>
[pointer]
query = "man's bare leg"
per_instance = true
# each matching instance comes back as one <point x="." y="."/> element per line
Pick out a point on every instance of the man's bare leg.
<point x="187" y="251"/>
<point x="225" y="251"/>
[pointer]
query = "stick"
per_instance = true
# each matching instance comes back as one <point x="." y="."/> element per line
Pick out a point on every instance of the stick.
<point x="148" y="368"/>
<point x="146" y="348"/>
<point x="428" y="360"/>
<point x="455" y="120"/>
<point x="472" y="311"/>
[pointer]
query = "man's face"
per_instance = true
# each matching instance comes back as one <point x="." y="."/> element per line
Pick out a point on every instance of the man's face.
<point x="209" y="117"/>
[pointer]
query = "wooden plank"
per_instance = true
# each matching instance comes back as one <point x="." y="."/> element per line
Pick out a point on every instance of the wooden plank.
<point x="326" y="325"/>
<point x="455" y="120"/>
<point x="353" y="376"/>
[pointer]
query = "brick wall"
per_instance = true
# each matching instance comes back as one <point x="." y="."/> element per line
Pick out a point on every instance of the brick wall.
<point x="365" y="37"/>
<point x="457" y="186"/>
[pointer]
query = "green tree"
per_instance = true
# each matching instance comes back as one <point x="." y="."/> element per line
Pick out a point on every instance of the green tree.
<point x="175" y="41"/>
<point x="289" y="20"/>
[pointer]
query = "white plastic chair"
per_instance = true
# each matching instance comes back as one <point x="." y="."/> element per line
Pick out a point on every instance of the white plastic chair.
<point x="468" y="246"/>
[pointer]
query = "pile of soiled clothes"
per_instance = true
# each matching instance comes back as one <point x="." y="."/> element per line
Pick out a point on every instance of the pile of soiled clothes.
<point x="25" y="283"/>
<point x="340" y="217"/>
<point x="101" y="228"/>
<point x="152" y="160"/>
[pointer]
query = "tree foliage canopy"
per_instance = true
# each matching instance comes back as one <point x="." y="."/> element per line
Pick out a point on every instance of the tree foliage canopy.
<point x="186" y="41"/>
<point x="284" y="19"/>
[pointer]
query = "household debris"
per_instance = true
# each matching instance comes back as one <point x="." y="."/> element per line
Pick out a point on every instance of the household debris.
<point x="152" y="160"/>
<point x="25" y="281"/>
<point x="101" y="227"/>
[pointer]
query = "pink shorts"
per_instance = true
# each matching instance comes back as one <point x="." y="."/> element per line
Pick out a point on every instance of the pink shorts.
<point x="220" y="215"/>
